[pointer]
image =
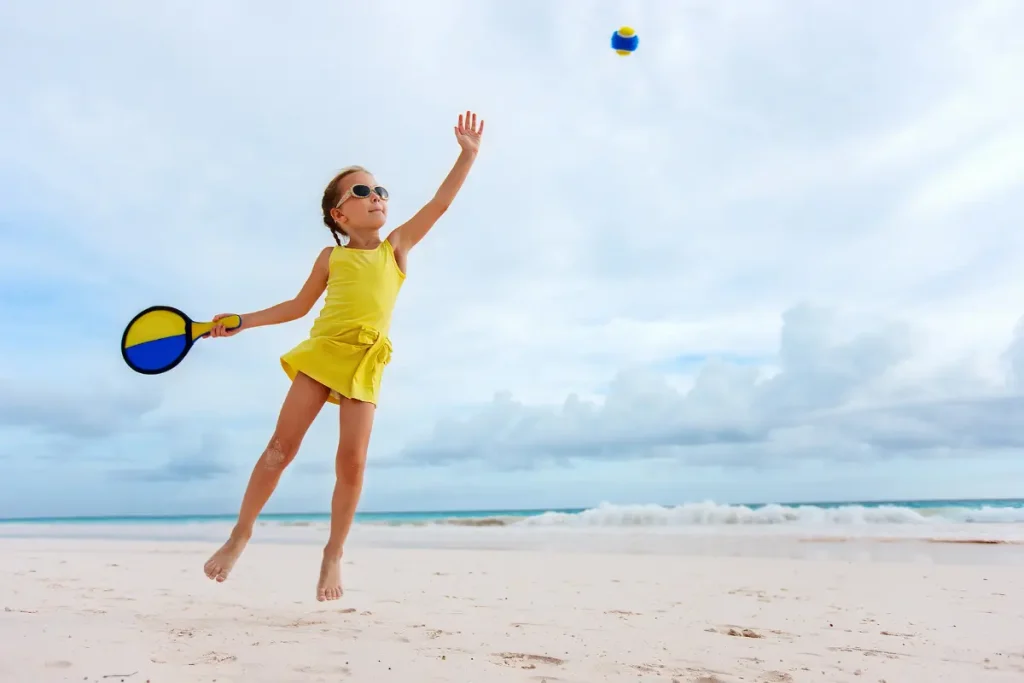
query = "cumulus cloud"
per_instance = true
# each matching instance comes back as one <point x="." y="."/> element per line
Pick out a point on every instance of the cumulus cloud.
<point x="830" y="396"/>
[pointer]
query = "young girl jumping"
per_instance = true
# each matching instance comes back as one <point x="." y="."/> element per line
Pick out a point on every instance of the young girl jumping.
<point x="343" y="360"/>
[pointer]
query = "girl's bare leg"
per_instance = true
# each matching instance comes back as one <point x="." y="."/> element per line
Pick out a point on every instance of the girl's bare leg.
<point x="302" y="404"/>
<point x="349" y="464"/>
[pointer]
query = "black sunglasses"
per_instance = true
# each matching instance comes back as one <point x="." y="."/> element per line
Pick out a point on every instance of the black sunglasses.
<point x="362" y="191"/>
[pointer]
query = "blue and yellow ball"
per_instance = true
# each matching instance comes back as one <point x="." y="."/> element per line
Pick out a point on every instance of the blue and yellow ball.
<point x="624" y="41"/>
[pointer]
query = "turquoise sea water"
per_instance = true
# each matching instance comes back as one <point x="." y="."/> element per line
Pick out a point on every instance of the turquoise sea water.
<point x="704" y="513"/>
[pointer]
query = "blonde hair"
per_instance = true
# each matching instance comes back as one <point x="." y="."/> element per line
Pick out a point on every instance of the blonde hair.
<point x="330" y="200"/>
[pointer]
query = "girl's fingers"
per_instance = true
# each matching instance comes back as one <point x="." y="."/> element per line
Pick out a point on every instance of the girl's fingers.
<point x="468" y="123"/>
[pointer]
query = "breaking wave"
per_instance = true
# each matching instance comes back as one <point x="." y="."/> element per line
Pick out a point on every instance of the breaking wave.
<point x="711" y="514"/>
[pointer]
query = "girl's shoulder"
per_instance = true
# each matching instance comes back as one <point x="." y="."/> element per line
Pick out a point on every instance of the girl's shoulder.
<point x="323" y="259"/>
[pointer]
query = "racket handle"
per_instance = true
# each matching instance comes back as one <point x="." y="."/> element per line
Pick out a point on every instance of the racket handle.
<point x="231" y="322"/>
<point x="201" y="329"/>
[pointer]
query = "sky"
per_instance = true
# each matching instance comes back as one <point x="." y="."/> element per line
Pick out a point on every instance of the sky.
<point x="774" y="255"/>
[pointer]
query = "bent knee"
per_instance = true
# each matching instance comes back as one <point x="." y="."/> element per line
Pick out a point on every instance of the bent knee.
<point x="279" y="452"/>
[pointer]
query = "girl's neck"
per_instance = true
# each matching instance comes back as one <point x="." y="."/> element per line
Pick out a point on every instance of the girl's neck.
<point x="371" y="241"/>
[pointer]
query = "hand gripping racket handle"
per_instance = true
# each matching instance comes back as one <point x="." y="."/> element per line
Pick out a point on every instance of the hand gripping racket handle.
<point x="230" y="322"/>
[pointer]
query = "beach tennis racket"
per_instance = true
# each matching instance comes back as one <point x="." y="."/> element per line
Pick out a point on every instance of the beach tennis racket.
<point x="160" y="337"/>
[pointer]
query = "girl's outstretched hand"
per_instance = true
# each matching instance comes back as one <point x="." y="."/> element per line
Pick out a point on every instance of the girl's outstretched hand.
<point x="468" y="133"/>
<point x="219" y="331"/>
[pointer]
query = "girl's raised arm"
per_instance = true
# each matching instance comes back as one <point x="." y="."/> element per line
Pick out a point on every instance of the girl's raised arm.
<point x="286" y="311"/>
<point x="408" y="235"/>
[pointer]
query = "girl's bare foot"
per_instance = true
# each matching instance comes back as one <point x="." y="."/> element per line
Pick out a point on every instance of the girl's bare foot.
<point x="220" y="563"/>
<point x="329" y="586"/>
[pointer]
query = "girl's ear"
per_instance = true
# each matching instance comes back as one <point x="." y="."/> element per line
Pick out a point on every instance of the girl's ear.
<point x="338" y="216"/>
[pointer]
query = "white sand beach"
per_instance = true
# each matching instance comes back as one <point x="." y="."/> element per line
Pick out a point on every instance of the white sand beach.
<point x="103" y="611"/>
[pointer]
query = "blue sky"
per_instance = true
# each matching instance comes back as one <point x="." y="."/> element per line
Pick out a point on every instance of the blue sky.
<point x="774" y="255"/>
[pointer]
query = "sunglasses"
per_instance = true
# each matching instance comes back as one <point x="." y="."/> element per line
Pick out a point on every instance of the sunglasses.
<point x="362" y="191"/>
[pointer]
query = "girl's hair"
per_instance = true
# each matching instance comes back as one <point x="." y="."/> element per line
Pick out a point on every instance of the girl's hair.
<point x="331" y="195"/>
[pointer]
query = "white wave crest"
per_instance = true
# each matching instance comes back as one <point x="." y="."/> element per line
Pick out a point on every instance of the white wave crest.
<point x="709" y="513"/>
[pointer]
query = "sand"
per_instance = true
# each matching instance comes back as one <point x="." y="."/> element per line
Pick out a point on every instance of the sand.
<point x="92" y="610"/>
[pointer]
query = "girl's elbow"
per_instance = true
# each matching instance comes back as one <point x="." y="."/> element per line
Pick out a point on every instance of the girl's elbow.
<point x="439" y="206"/>
<point x="297" y="308"/>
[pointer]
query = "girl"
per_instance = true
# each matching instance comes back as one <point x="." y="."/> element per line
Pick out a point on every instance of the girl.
<point x="343" y="360"/>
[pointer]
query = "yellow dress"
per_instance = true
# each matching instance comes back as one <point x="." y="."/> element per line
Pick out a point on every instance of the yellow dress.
<point x="348" y="345"/>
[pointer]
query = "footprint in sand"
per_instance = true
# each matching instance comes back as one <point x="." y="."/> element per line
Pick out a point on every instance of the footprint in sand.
<point x="526" y="661"/>
<point x="304" y="622"/>
<point x="897" y="635"/>
<point x="775" y="677"/>
<point x="434" y="633"/>
<point x="743" y="632"/>
<point x="735" y="631"/>
<point x="216" y="658"/>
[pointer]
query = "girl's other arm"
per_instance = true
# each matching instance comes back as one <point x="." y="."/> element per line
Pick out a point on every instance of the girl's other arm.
<point x="468" y="134"/>
<point x="286" y="311"/>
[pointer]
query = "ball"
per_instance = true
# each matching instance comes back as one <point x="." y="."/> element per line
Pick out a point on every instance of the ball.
<point x="624" y="41"/>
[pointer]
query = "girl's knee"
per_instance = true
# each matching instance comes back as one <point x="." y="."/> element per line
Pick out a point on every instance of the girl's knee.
<point x="279" y="452"/>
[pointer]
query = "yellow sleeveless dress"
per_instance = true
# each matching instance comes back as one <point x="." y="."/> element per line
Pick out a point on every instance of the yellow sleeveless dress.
<point x="348" y="345"/>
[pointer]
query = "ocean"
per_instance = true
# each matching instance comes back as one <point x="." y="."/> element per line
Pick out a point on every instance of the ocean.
<point x="940" y="530"/>
<point x="941" y="513"/>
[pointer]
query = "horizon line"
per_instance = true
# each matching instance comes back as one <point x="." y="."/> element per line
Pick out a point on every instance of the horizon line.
<point x="493" y="511"/>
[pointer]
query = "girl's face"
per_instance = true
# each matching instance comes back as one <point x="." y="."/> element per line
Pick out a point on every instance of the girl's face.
<point x="361" y="206"/>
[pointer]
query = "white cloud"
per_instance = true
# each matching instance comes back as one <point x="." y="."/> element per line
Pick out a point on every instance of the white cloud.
<point x="833" y="390"/>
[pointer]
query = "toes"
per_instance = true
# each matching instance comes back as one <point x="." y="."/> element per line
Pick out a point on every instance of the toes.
<point x="331" y="593"/>
<point x="214" y="570"/>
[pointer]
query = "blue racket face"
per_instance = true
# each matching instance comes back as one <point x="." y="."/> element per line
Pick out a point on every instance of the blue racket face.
<point x="156" y="340"/>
